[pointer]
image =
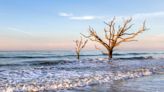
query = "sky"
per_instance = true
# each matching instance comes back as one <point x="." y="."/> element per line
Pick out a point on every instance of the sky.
<point x="54" y="24"/>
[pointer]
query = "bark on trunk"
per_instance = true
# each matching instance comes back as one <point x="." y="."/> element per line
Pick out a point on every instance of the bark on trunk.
<point x="78" y="56"/>
<point x="110" y="54"/>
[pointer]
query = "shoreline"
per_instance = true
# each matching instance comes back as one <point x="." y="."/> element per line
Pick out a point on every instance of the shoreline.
<point x="106" y="78"/>
<point x="98" y="77"/>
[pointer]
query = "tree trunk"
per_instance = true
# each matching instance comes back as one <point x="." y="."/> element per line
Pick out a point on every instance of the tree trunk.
<point x="110" y="54"/>
<point x="78" y="56"/>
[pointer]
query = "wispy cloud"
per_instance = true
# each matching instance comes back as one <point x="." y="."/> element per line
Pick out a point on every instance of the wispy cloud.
<point x="82" y="17"/>
<point x="143" y="15"/>
<point x="71" y="16"/>
<point x="63" y="14"/>
<point x="85" y="17"/>
<point x="18" y="30"/>
<point x="152" y="14"/>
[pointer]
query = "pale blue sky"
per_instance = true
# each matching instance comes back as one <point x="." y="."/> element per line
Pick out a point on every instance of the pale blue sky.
<point x="53" y="24"/>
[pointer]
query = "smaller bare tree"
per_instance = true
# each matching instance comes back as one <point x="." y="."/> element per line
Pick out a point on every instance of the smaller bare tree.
<point x="114" y="37"/>
<point x="80" y="44"/>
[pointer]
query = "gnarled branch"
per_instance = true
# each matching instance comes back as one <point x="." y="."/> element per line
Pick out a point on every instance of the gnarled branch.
<point x="115" y="37"/>
<point x="80" y="44"/>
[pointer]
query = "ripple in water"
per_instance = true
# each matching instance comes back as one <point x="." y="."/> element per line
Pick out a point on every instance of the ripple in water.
<point x="152" y="83"/>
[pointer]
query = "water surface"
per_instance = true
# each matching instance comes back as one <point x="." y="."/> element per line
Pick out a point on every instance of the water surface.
<point x="43" y="68"/>
<point x="152" y="83"/>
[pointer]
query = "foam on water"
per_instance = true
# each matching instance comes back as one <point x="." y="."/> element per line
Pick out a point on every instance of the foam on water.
<point x="26" y="71"/>
<point x="70" y="75"/>
<point x="152" y="83"/>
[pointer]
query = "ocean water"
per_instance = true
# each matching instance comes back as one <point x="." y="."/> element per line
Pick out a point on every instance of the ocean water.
<point x="152" y="83"/>
<point x="44" y="68"/>
<point x="11" y="58"/>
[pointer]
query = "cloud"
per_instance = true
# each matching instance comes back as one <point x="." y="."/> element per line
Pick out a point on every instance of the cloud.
<point x="18" y="30"/>
<point x="63" y="14"/>
<point x="71" y="16"/>
<point x="85" y="17"/>
<point x="142" y="15"/>
<point x="152" y="14"/>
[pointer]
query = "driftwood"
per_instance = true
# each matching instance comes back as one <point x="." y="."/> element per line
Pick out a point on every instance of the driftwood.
<point x="114" y="37"/>
<point x="80" y="44"/>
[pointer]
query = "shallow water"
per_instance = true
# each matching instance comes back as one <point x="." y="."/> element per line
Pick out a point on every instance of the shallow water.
<point x="11" y="58"/>
<point x="21" y="70"/>
<point x="152" y="83"/>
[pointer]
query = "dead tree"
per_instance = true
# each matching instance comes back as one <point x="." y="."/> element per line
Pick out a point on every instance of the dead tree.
<point x="114" y="37"/>
<point x="80" y="44"/>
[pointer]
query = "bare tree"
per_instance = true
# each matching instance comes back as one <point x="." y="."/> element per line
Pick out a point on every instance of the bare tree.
<point x="114" y="37"/>
<point x="80" y="44"/>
